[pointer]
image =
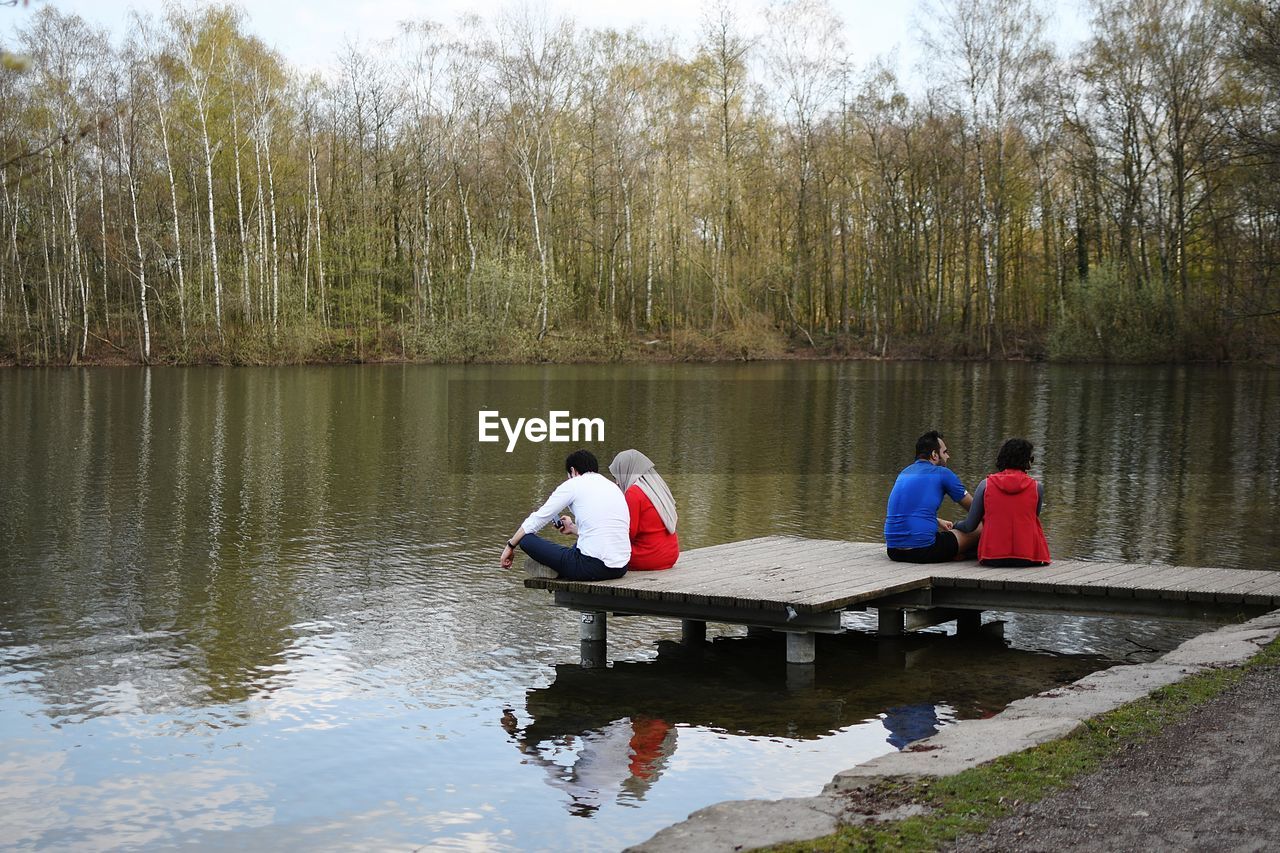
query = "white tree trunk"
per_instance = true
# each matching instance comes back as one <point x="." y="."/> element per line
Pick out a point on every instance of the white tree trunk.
<point x="542" y="251"/>
<point x="275" y="251"/>
<point x="986" y="244"/>
<point x="648" y="276"/>
<point x="315" y="185"/>
<point x="426" y="251"/>
<point x="102" y="220"/>
<point x="471" y="243"/>
<point x="306" y="244"/>
<point x="137" y="242"/>
<point x="71" y="202"/>
<point x="13" y="204"/>
<point x="631" y="282"/>
<point x="177" y="233"/>
<point x="55" y="293"/>
<point x="244" y="242"/>
<point x="213" y="226"/>
<point x="9" y="214"/>
<point x="261" y="203"/>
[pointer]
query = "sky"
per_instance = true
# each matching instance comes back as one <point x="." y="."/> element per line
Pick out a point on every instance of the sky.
<point x="311" y="33"/>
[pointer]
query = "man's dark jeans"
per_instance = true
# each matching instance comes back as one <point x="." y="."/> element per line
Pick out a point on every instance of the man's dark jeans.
<point x="570" y="563"/>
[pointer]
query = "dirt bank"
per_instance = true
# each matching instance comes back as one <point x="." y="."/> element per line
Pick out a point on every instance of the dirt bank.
<point x="1206" y="783"/>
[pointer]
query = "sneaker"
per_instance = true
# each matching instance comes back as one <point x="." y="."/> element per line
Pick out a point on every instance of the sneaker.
<point x="534" y="569"/>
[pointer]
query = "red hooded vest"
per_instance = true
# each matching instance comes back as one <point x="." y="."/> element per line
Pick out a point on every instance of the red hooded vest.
<point x="1010" y="527"/>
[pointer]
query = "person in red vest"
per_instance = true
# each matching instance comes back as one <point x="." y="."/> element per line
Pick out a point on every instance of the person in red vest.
<point x="1007" y="505"/>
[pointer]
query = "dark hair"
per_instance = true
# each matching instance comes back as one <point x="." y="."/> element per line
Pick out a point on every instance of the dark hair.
<point x="928" y="443"/>
<point x="1015" y="453"/>
<point x="582" y="461"/>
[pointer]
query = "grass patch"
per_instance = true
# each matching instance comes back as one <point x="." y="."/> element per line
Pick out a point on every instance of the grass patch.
<point x="968" y="802"/>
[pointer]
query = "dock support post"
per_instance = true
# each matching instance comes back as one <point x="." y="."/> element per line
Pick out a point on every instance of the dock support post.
<point x="800" y="677"/>
<point x="594" y="627"/>
<point x="592" y="633"/>
<point x="969" y="623"/>
<point x="800" y="648"/>
<point x="693" y="631"/>
<point x="891" y="621"/>
<point x="592" y="654"/>
<point x="995" y="629"/>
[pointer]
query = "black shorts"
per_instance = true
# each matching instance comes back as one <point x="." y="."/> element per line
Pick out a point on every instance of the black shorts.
<point x="943" y="550"/>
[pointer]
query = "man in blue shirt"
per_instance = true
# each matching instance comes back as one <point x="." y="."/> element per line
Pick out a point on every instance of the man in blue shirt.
<point x="913" y="532"/>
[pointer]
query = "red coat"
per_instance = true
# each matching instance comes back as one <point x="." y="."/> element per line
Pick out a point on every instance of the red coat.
<point x="1010" y="526"/>
<point x="652" y="547"/>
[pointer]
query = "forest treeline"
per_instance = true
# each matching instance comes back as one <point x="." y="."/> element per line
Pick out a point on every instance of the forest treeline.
<point x="520" y="188"/>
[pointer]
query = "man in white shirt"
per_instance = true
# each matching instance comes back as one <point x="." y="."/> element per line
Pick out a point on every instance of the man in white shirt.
<point x="601" y="521"/>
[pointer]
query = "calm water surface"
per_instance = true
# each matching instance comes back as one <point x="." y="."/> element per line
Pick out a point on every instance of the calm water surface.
<point x="261" y="608"/>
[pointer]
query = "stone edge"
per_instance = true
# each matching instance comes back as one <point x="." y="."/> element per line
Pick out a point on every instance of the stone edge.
<point x="747" y="824"/>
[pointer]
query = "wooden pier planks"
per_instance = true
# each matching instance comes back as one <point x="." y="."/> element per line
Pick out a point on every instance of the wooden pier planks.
<point x="815" y="575"/>
<point x="772" y="572"/>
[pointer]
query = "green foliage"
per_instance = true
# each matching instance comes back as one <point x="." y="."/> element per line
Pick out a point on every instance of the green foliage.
<point x="14" y="61"/>
<point x="1108" y="317"/>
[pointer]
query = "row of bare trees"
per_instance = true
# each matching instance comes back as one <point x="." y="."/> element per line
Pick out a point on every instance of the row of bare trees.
<point x="187" y="195"/>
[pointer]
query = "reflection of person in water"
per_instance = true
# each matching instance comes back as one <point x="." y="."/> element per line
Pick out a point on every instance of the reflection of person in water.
<point x="910" y="723"/>
<point x="622" y="760"/>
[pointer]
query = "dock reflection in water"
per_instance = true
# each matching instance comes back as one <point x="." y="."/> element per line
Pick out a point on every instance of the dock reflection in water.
<point x="606" y="735"/>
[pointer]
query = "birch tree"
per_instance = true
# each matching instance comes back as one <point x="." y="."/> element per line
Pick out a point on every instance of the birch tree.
<point x="994" y="49"/>
<point x="805" y="47"/>
<point x="536" y="69"/>
<point x="196" y="46"/>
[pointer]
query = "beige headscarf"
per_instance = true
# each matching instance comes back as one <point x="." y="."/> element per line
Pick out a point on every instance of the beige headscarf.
<point x="633" y="467"/>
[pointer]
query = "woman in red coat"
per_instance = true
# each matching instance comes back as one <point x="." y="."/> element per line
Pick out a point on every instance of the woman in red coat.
<point x="654" y="543"/>
<point x="1007" y="506"/>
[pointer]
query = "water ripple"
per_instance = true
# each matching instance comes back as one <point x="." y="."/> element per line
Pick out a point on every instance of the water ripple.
<point x="255" y="609"/>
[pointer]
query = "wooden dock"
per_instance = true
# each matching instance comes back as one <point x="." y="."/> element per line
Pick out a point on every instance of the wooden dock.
<point x="801" y="586"/>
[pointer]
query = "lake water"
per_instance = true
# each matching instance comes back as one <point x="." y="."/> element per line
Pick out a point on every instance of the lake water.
<point x="261" y="608"/>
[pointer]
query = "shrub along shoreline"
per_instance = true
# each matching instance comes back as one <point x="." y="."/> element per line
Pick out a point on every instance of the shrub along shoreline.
<point x="1082" y="340"/>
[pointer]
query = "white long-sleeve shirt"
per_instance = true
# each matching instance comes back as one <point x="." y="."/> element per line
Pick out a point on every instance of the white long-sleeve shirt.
<point x="600" y="512"/>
